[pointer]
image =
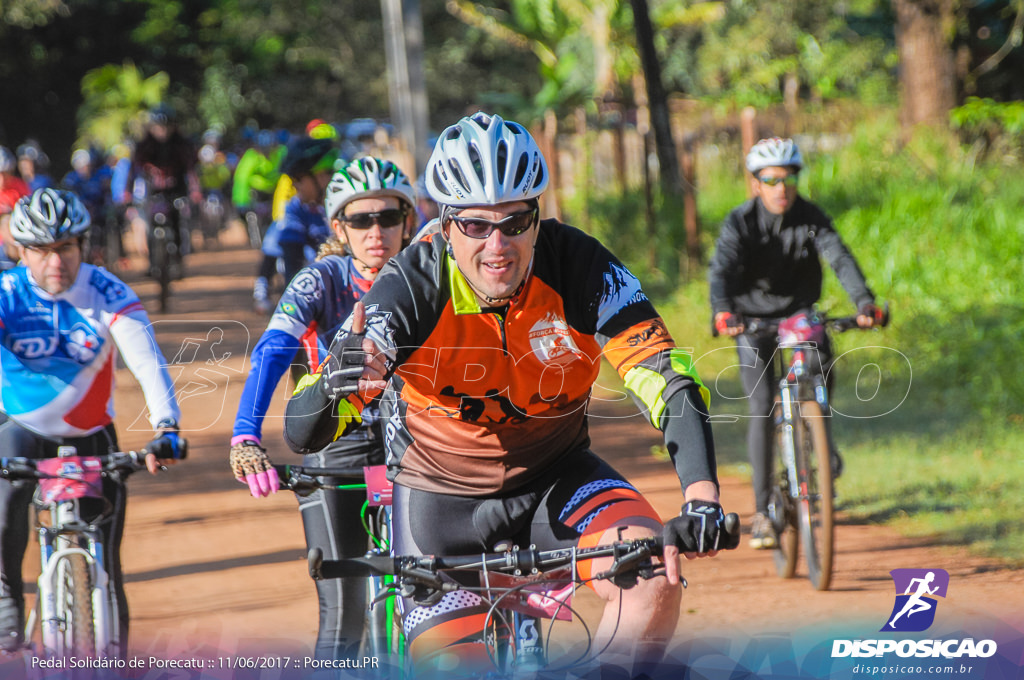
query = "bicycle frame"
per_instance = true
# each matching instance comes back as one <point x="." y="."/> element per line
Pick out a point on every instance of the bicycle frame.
<point x="67" y="534"/>
<point x="381" y="620"/>
<point x="802" y="498"/>
<point x="74" y="609"/>
<point x="522" y="649"/>
<point x="794" y="387"/>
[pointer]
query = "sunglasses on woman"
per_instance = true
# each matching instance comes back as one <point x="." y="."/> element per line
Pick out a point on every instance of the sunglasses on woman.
<point x="513" y="225"/>
<point x="391" y="217"/>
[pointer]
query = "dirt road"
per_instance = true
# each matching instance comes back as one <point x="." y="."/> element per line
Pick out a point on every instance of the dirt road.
<point x="214" y="572"/>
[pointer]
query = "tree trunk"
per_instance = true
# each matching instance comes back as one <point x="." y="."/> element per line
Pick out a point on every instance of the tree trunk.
<point x="657" y="100"/>
<point x="927" y="65"/>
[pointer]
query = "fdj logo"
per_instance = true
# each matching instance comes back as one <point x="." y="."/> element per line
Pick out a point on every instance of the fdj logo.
<point x="916" y="590"/>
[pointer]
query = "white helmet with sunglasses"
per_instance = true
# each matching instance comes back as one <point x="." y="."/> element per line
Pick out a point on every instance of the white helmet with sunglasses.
<point x="774" y="152"/>
<point x="484" y="160"/>
<point x="366" y="177"/>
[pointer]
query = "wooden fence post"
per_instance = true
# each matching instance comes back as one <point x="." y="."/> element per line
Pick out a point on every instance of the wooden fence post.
<point x="748" y="127"/>
<point x="585" y="173"/>
<point x="689" y="170"/>
<point x="620" y="148"/>
<point x="552" y="195"/>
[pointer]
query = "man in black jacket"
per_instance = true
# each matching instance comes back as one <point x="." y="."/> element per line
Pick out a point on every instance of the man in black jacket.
<point x="767" y="265"/>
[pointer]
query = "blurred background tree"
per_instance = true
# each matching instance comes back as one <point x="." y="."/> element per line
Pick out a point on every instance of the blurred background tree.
<point x="277" y="64"/>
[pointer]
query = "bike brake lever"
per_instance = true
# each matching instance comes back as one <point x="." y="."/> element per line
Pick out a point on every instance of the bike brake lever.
<point x="383" y="594"/>
<point x="624" y="562"/>
<point x="301" y="485"/>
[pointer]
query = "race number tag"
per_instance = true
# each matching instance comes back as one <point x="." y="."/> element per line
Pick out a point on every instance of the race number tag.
<point x="73" y="477"/>
<point x="378" y="487"/>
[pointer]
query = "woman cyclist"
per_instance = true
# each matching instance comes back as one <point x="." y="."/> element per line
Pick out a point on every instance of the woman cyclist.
<point x="370" y="205"/>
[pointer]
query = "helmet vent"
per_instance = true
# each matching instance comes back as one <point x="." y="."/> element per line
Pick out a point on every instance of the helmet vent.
<point x="474" y="157"/>
<point x="453" y="165"/>
<point x="540" y="178"/>
<point x="439" y="183"/>
<point x="501" y="155"/>
<point x="524" y="163"/>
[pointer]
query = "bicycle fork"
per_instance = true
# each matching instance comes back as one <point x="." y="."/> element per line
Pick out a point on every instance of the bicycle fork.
<point x="787" y="440"/>
<point x="56" y="548"/>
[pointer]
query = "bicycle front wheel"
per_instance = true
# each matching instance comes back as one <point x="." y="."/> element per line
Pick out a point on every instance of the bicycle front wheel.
<point x="74" y="607"/>
<point x="815" y="505"/>
<point x="782" y="510"/>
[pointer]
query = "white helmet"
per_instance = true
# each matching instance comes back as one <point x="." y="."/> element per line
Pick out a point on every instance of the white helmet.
<point x="48" y="216"/>
<point x="774" y="152"/>
<point x="484" y="160"/>
<point x="366" y="177"/>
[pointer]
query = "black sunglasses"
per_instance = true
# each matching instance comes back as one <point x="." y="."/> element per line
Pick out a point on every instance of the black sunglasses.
<point x="513" y="225"/>
<point x="391" y="217"/>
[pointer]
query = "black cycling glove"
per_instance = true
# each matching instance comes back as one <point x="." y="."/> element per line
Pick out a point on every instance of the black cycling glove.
<point x="700" y="528"/>
<point x="168" y="445"/>
<point x="343" y="366"/>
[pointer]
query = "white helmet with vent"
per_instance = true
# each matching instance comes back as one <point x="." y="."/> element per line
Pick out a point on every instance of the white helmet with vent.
<point x="48" y="216"/>
<point x="774" y="152"/>
<point x="484" y="160"/>
<point x="366" y="177"/>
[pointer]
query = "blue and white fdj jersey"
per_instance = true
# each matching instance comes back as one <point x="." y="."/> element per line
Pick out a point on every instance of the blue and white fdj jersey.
<point x="57" y="353"/>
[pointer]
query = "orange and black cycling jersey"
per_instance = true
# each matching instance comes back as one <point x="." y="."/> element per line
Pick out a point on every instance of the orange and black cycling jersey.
<point x="483" y="400"/>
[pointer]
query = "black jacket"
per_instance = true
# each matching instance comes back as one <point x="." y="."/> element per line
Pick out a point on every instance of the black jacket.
<point x="768" y="265"/>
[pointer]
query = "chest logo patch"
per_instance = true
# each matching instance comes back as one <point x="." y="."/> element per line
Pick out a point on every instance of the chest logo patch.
<point x="552" y="342"/>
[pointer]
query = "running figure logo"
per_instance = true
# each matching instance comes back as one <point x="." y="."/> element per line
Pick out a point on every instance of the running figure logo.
<point x="914" y="610"/>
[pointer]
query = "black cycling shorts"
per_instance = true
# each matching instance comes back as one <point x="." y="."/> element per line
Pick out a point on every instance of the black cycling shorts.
<point x="571" y="504"/>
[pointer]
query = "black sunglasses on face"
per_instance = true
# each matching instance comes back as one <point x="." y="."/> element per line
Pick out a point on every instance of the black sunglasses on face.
<point x="391" y="217"/>
<point x="513" y="225"/>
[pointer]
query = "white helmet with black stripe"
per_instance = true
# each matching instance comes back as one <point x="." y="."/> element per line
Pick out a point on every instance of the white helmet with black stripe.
<point x="48" y="216"/>
<point x="484" y="160"/>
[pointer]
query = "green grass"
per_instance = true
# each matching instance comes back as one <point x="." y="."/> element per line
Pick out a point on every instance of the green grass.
<point x="937" y="451"/>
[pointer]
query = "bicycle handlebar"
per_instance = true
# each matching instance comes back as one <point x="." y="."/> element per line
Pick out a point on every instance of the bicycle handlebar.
<point x="303" y="480"/>
<point x="839" y="324"/>
<point x="18" y="467"/>
<point x="629" y="557"/>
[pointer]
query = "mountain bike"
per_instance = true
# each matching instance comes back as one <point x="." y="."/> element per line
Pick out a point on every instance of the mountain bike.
<point x="522" y="587"/>
<point x="382" y="636"/>
<point x="801" y="506"/>
<point x="167" y="235"/>
<point x="76" y="606"/>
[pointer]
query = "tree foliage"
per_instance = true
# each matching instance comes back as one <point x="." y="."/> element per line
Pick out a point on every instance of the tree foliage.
<point x="115" y="100"/>
<point x="277" y="64"/>
<point x="753" y="51"/>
